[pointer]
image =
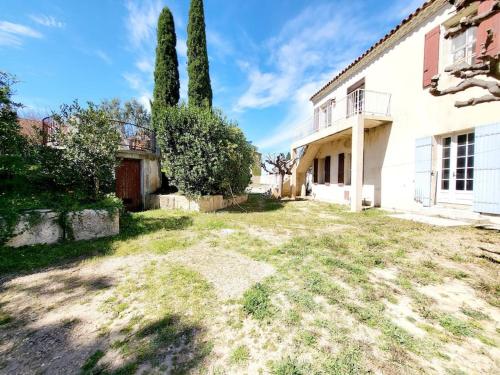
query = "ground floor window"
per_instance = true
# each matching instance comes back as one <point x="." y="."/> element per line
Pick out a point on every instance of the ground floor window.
<point x="340" y="176"/>
<point x="457" y="168"/>
<point x="315" y="171"/>
<point x="327" y="169"/>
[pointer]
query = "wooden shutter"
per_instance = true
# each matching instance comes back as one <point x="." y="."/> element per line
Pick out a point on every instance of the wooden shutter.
<point x="487" y="169"/>
<point x="340" y="174"/>
<point x="491" y="23"/>
<point x="327" y="169"/>
<point x="315" y="171"/>
<point x="423" y="170"/>
<point x="431" y="55"/>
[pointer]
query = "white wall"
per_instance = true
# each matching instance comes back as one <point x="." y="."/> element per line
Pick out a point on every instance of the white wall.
<point x="415" y="112"/>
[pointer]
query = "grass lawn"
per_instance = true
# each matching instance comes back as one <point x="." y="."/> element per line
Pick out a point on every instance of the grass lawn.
<point x="271" y="287"/>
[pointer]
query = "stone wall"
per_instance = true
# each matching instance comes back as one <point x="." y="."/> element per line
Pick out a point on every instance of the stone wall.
<point x="43" y="227"/>
<point x="207" y="203"/>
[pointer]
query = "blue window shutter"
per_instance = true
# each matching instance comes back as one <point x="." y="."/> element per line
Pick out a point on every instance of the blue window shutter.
<point x="423" y="170"/>
<point x="487" y="169"/>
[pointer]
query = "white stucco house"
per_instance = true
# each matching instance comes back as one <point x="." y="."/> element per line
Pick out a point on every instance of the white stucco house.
<point x="379" y="138"/>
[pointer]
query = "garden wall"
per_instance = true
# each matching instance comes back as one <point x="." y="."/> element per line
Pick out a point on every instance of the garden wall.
<point x="45" y="227"/>
<point x="207" y="203"/>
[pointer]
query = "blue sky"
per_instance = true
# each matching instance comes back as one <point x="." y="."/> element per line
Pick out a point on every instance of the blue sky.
<point x="266" y="57"/>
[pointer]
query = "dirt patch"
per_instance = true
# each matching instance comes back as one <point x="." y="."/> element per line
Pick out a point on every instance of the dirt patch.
<point x="56" y="315"/>
<point x="452" y="295"/>
<point x="230" y="273"/>
<point x="272" y="237"/>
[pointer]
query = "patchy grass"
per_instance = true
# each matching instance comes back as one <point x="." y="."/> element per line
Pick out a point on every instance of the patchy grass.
<point x="257" y="302"/>
<point x="348" y="295"/>
<point x="240" y="355"/>
<point x="90" y="364"/>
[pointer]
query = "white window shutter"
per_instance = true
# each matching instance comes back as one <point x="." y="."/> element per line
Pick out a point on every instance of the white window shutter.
<point x="487" y="169"/>
<point x="329" y="114"/>
<point x="423" y="170"/>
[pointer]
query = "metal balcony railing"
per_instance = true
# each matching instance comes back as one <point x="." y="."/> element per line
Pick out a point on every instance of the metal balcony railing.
<point x="361" y="101"/>
<point x="136" y="137"/>
<point x="132" y="137"/>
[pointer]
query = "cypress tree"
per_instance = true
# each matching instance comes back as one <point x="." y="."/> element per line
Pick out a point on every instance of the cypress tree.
<point x="166" y="89"/>
<point x="199" y="88"/>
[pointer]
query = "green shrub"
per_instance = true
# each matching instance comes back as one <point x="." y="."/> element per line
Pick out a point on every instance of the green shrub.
<point x="256" y="302"/>
<point x="12" y="143"/>
<point x="203" y="153"/>
<point x="86" y="159"/>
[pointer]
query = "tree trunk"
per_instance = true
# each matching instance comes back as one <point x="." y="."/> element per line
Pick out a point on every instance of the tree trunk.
<point x="280" y="192"/>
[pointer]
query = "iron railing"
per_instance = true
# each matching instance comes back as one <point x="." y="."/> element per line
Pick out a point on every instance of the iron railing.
<point x="357" y="102"/>
<point x="132" y="137"/>
<point x="136" y="137"/>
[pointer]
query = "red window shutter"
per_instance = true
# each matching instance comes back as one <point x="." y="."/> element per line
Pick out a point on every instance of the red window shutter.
<point x="491" y="23"/>
<point x="327" y="169"/>
<point x="315" y="171"/>
<point x="431" y="55"/>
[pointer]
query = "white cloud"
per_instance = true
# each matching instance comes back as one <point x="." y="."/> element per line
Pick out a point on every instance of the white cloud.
<point x="48" y="21"/>
<point x="103" y="56"/>
<point x="306" y="53"/>
<point x="314" y="41"/>
<point x="142" y="20"/>
<point x="181" y="47"/>
<point x="12" y="34"/>
<point x="145" y="64"/>
<point x="218" y="44"/>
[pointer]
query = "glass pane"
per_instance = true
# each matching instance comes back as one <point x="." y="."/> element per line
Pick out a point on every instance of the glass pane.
<point x="460" y="162"/>
<point x="460" y="174"/>
<point x="446" y="174"/>
<point x="458" y="41"/>
<point x="471" y="34"/>
<point x="462" y="139"/>
<point x="470" y="185"/>
<point x="471" y="137"/>
<point x="470" y="173"/>
<point x="470" y="161"/>
<point x="445" y="184"/>
<point x="447" y="141"/>
<point x="446" y="163"/>
<point x="470" y="149"/>
<point x="460" y="185"/>
<point x="446" y="152"/>
<point x="459" y="55"/>
<point x="461" y="150"/>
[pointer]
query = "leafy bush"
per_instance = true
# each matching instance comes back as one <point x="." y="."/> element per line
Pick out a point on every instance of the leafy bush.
<point x="257" y="303"/>
<point x="85" y="157"/>
<point x="12" y="143"/>
<point x="203" y="152"/>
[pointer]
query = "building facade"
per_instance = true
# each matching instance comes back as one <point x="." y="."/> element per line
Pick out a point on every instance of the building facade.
<point x="379" y="138"/>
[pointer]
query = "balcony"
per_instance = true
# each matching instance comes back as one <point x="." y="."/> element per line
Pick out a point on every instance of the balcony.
<point x="136" y="137"/>
<point x="132" y="137"/>
<point x="339" y="114"/>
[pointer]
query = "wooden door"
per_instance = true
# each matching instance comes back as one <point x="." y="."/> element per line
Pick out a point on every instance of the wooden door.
<point x="128" y="184"/>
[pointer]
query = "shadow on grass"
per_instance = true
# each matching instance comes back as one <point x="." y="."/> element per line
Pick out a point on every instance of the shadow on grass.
<point x="258" y="203"/>
<point x="29" y="258"/>
<point x="169" y="343"/>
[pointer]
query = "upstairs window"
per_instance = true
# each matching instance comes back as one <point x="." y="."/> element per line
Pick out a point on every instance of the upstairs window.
<point x="463" y="47"/>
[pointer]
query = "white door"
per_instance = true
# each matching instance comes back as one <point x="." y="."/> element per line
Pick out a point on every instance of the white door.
<point x="456" y="177"/>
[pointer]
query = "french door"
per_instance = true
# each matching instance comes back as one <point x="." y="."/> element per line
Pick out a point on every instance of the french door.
<point x="456" y="177"/>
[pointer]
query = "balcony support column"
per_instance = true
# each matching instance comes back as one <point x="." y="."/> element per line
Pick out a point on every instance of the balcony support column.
<point x="358" y="135"/>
